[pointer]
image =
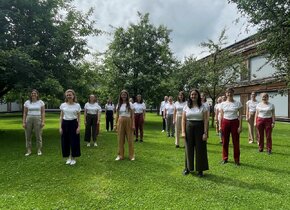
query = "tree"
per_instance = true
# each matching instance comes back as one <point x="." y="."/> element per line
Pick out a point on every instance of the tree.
<point x="40" y="43"/>
<point x="139" y="59"/>
<point x="212" y="74"/>
<point x="273" y="20"/>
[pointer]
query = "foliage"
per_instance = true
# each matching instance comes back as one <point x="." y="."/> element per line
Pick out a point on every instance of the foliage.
<point x="40" y="43"/>
<point x="273" y="20"/>
<point x="139" y="59"/>
<point x="153" y="181"/>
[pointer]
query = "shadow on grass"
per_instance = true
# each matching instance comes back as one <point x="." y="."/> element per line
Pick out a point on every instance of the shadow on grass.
<point x="263" y="168"/>
<point x="225" y="180"/>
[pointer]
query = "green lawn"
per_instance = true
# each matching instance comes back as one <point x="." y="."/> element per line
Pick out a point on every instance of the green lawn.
<point x="153" y="181"/>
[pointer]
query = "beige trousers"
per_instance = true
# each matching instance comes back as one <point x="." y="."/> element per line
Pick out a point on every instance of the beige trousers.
<point x="252" y="130"/>
<point x="178" y="124"/>
<point x="125" y="131"/>
<point x="33" y="123"/>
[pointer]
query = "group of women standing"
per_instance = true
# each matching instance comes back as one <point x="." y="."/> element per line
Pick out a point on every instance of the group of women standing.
<point x="189" y="118"/>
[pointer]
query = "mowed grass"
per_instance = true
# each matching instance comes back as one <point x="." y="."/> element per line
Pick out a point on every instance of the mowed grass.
<point x="152" y="181"/>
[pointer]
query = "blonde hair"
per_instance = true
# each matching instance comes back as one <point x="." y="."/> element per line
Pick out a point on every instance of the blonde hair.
<point x="70" y="91"/>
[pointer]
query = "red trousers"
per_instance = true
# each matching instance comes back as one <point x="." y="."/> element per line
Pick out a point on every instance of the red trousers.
<point x="139" y="124"/>
<point x="264" y="125"/>
<point x="231" y="127"/>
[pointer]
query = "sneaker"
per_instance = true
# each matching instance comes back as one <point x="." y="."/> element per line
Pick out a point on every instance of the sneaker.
<point x="200" y="174"/>
<point x="39" y="153"/>
<point x="68" y="162"/>
<point x="88" y="144"/>
<point x="251" y="142"/>
<point x="73" y="162"/>
<point x="162" y="131"/>
<point x="118" y="158"/>
<point x="176" y="146"/>
<point x="95" y="144"/>
<point x="27" y="154"/>
<point x="132" y="159"/>
<point x="185" y="172"/>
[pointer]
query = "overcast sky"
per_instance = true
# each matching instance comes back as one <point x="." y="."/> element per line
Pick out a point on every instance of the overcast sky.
<point x="191" y="21"/>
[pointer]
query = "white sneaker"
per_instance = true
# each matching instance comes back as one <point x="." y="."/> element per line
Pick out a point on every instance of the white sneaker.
<point x="73" y="162"/>
<point x="132" y="159"/>
<point x="162" y="131"/>
<point x="95" y="144"/>
<point x="68" y="161"/>
<point x="118" y="158"/>
<point x="88" y="144"/>
<point x="39" y="153"/>
<point x="27" y="154"/>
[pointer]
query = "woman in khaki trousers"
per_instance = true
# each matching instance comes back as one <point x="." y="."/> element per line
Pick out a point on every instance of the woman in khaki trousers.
<point x="125" y="125"/>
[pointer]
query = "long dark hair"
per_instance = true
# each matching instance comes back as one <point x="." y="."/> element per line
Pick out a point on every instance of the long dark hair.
<point x="189" y="102"/>
<point x="120" y="101"/>
<point x="141" y="101"/>
<point x="183" y="98"/>
<point x="37" y="98"/>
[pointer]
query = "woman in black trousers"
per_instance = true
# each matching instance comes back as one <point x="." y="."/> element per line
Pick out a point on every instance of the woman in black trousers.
<point x="194" y="129"/>
<point x="109" y="110"/>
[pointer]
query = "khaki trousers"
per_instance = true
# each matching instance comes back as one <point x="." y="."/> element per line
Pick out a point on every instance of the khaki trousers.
<point x="251" y="127"/>
<point x="125" y="131"/>
<point x="178" y="128"/>
<point x="33" y="123"/>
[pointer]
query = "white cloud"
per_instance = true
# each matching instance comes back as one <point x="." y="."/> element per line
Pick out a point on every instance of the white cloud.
<point x="191" y="21"/>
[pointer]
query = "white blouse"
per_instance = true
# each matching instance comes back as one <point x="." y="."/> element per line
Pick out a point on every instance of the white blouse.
<point x="169" y="108"/>
<point x="92" y="108"/>
<point x="231" y="109"/>
<point x="265" y="110"/>
<point x="34" y="108"/>
<point x="70" y="111"/>
<point x="194" y="113"/>
<point x="123" y="112"/>
<point x="139" y="108"/>
<point x="179" y="107"/>
<point x="109" y="107"/>
<point x="252" y="105"/>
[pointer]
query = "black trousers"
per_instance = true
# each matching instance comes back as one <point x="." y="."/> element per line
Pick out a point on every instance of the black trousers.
<point x="163" y="122"/>
<point x="70" y="140"/>
<point x="195" y="146"/>
<point x="109" y="119"/>
<point x="91" y="127"/>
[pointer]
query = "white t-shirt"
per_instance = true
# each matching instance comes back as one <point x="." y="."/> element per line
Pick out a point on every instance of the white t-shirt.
<point x="123" y="112"/>
<point x="252" y="105"/>
<point x="231" y="109"/>
<point x="206" y="105"/>
<point x="179" y="107"/>
<point x="139" y="108"/>
<point x="169" y="108"/>
<point x="265" y="110"/>
<point x="109" y="107"/>
<point x="194" y="113"/>
<point x="162" y="106"/>
<point x="34" y="108"/>
<point x="70" y="111"/>
<point x="92" y="108"/>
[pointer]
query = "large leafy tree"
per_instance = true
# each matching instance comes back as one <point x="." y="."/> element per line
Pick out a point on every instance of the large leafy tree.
<point x="139" y="59"/>
<point x="212" y="74"/>
<point x="40" y="43"/>
<point x="272" y="17"/>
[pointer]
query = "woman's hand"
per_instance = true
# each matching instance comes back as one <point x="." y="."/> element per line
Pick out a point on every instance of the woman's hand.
<point x="42" y="124"/>
<point x="204" y="137"/>
<point x="239" y="130"/>
<point x="60" y="131"/>
<point x="24" y="125"/>
<point x="78" y="130"/>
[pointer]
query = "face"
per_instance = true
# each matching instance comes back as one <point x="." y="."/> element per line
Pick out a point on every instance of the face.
<point x="165" y="98"/>
<point x="219" y="99"/>
<point x="34" y="95"/>
<point x="229" y="94"/>
<point x="138" y="98"/>
<point x="69" y="96"/>
<point x="265" y="97"/>
<point x="170" y="99"/>
<point x="253" y="95"/>
<point x="180" y="96"/>
<point x="193" y="96"/>
<point x="124" y="96"/>
<point x="202" y="96"/>
<point x="92" y="98"/>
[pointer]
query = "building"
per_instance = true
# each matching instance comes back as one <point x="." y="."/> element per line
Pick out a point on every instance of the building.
<point x="260" y="78"/>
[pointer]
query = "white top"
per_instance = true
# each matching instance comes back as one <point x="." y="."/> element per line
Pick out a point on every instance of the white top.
<point x="139" y="108"/>
<point x="70" y="111"/>
<point x="92" y="108"/>
<point x="123" y="112"/>
<point x="252" y="105"/>
<point x="34" y="108"/>
<point x="194" y="113"/>
<point x="265" y="110"/>
<point x="217" y="108"/>
<point x="231" y="109"/>
<point x="110" y="107"/>
<point x="162" y="106"/>
<point x="206" y="106"/>
<point x="179" y="107"/>
<point x="169" y="108"/>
